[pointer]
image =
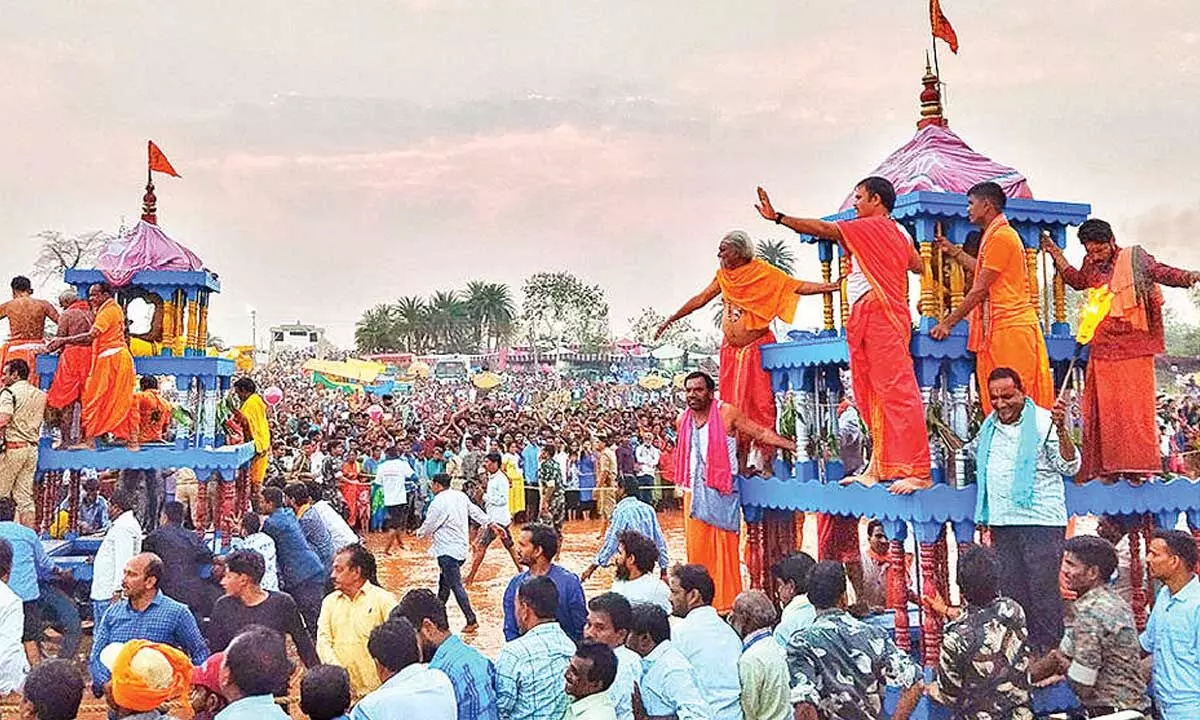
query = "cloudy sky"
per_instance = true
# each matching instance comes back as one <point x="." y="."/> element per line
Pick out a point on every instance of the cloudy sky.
<point x="337" y="155"/>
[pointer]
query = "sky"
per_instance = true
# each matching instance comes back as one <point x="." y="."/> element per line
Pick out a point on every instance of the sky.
<point x="339" y="155"/>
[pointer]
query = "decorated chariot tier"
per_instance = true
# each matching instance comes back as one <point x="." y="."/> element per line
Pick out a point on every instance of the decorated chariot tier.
<point x="932" y="174"/>
<point x="144" y="264"/>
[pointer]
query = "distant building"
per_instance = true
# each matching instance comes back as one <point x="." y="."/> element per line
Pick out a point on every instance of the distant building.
<point x="297" y="337"/>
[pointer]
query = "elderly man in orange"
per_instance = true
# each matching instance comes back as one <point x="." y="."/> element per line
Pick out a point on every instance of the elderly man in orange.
<point x="26" y="324"/>
<point x="1004" y="329"/>
<point x="108" y="406"/>
<point x="154" y="411"/>
<point x="754" y="294"/>
<point x="705" y="462"/>
<point x="885" y="386"/>
<point x="74" y="362"/>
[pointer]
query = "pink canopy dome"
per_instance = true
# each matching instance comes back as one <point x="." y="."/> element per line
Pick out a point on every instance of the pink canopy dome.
<point x="144" y="247"/>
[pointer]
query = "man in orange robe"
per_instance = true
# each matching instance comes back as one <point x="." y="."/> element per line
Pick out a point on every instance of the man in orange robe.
<point x="1120" y="426"/>
<point x="754" y="293"/>
<point x="27" y="317"/>
<point x="705" y="461"/>
<point x="74" y="362"/>
<point x="154" y="412"/>
<point x="1004" y="329"/>
<point x="885" y="385"/>
<point x="108" y="406"/>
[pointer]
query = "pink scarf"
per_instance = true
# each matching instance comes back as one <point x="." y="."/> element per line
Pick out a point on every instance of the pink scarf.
<point x="720" y="475"/>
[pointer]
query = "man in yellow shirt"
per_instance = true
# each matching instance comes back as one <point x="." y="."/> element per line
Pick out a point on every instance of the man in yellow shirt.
<point x="348" y="615"/>
<point x="254" y="411"/>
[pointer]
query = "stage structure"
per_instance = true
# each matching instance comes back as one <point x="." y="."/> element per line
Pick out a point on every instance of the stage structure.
<point x="932" y="174"/>
<point x="146" y="264"/>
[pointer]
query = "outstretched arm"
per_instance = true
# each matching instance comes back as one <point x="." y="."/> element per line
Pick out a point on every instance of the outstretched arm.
<point x="1073" y="277"/>
<point x="816" y="228"/>
<point x="705" y="297"/>
<point x="736" y="421"/>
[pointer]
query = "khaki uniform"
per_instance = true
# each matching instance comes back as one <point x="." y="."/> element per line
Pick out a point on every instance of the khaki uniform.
<point x="26" y="405"/>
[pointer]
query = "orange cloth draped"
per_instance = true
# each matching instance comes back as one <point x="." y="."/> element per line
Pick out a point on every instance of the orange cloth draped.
<point x="1126" y="305"/>
<point x="837" y="538"/>
<point x="1120" y="428"/>
<point x="878" y="333"/>
<point x="74" y="362"/>
<point x="155" y="415"/>
<point x="26" y="350"/>
<point x="108" y="405"/>
<point x="744" y="384"/>
<point x="761" y="292"/>
<point x="719" y="551"/>
<point x="1007" y="308"/>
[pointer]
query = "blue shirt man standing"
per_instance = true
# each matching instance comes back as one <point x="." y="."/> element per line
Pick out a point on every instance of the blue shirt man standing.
<point x="1172" y="634"/>
<point x="536" y="547"/>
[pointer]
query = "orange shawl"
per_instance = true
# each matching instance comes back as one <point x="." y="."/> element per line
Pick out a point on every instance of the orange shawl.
<point x="1126" y="303"/>
<point x="881" y="251"/>
<point x="761" y="291"/>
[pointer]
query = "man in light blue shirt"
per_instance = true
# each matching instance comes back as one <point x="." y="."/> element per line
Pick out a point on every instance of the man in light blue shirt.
<point x="1172" y="634"/>
<point x="30" y="564"/>
<point x="608" y="621"/>
<point x="791" y="583"/>
<point x="531" y="670"/>
<point x="707" y="641"/>
<point x="668" y="686"/>
<point x="630" y="513"/>
<point x="409" y="689"/>
<point x="1021" y="454"/>
<point x="254" y="669"/>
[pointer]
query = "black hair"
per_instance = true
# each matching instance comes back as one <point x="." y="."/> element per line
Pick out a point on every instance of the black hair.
<point x="971" y="245"/>
<point x="708" y="381"/>
<point x="148" y="382"/>
<point x="360" y="557"/>
<point x="880" y="187"/>
<point x="420" y="605"/>
<point x="492" y="457"/>
<point x="55" y="689"/>
<point x="325" y="692"/>
<point x="122" y="498"/>
<point x="18" y="367"/>
<point x="872" y="524"/>
<point x="1095" y="231"/>
<point x="826" y="584"/>
<point x="103" y="287"/>
<point x="540" y="595"/>
<point x="978" y="574"/>
<point x="8" y="509"/>
<point x="641" y="548"/>
<point x="695" y="577"/>
<point x="257" y="661"/>
<point x="630" y="486"/>
<point x="6" y="557"/>
<point x="652" y="620"/>
<point x="251" y="523"/>
<point x="616" y="606"/>
<point x="21" y="284"/>
<point x="989" y="192"/>
<point x="273" y="496"/>
<point x="1180" y="544"/>
<point x="441" y="480"/>
<point x="544" y="537"/>
<point x="1002" y="373"/>
<point x="297" y="492"/>
<point x="393" y="644"/>
<point x="1094" y="551"/>
<point x="173" y="511"/>
<point x="247" y="562"/>
<point x="245" y="384"/>
<point x="604" y="662"/>
<point x="795" y="569"/>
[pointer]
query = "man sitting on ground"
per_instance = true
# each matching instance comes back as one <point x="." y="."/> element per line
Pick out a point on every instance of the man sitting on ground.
<point x="472" y="675"/>
<point x="590" y="674"/>
<point x="530" y="668"/>
<point x="145" y="676"/>
<point x="409" y="689"/>
<point x="206" y="698"/>
<point x="1172" y="634"/>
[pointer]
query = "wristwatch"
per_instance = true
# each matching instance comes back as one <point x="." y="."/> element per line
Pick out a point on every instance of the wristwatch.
<point x="779" y="218"/>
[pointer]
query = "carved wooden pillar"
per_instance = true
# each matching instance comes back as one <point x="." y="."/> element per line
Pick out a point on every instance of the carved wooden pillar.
<point x="897" y="592"/>
<point x="958" y="282"/>
<point x="202" y="330"/>
<point x="779" y="535"/>
<point x="75" y="479"/>
<point x="168" y="323"/>
<point x="927" y="302"/>
<point x="931" y="624"/>
<point x="1060" y="298"/>
<point x="754" y="552"/>
<point x="798" y="527"/>
<point x="200" y="507"/>
<point x="225" y="511"/>
<point x="1137" y="578"/>
<point x="193" y="322"/>
<point x="827" y="298"/>
<point x="943" y="564"/>
<point x="843" y="302"/>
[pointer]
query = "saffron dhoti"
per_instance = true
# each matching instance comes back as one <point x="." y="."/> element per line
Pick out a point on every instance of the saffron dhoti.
<point x="108" y="405"/>
<point x="745" y="385"/>
<point x="69" y="378"/>
<point x="1119" y="420"/>
<point x="719" y="551"/>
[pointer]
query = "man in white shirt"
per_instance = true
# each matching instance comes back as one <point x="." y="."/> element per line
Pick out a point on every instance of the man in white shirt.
<point x="409" y="688"/>
<point x="122" y="541"/>
<point x="14" y="664"/>
<point x="646" y="457"/>
<point x="791" y="584"/>
<point x="609" y="619"/>
<point x="634" y="564"/>
<point x="391" y="475"/>
<point x="447" y="520"/>
<point x="339" y="530"/>
<point x="707" y="641"/>
<point x="495" y="502"/>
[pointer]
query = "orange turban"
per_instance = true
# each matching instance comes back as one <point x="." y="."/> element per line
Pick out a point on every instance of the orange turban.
<point x="146" y="675"/>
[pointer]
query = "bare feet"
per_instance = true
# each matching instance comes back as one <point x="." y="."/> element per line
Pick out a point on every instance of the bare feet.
<point x="866" y="479"/>
<point x="909" y="485"/>
<point x="85" y="445"/>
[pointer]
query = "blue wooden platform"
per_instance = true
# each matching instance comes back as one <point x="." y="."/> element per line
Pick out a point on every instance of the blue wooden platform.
<point x="203" y="461"/>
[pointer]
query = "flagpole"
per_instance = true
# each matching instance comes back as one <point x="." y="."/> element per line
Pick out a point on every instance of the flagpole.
<point x="936" y="71"/>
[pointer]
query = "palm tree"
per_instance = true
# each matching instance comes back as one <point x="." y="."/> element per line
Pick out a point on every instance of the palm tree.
<point x="448" y="320"/>
<point x="492" y="312"/>
<point x="376" y="329"/>
<point x="412" y="323"/>
<point x="776" y="253"/>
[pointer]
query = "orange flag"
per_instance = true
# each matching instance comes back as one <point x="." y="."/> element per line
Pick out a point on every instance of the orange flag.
<point x="941" y="26"/>
<point x="160" y="163"/>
